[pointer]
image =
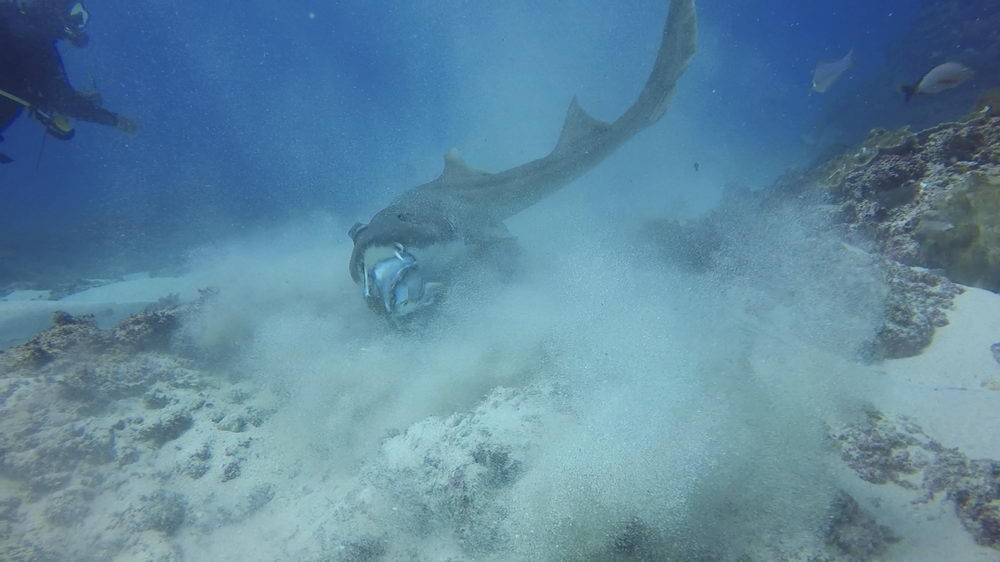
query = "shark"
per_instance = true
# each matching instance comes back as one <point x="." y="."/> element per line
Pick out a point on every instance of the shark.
<point x="398" y="256"/>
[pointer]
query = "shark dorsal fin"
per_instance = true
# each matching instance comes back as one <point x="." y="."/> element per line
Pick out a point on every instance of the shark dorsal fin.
<point x="578" y="125"/>
<point x="455" y="168"/>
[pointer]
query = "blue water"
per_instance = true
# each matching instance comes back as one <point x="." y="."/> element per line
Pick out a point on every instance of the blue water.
<point x="253" y="115"/>
<point x="597" y="400"/>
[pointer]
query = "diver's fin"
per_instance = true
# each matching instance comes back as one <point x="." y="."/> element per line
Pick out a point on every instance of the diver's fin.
<point x="455" y="168"/>
<point x="908" y="90"/>
<point x="578" y="125"/>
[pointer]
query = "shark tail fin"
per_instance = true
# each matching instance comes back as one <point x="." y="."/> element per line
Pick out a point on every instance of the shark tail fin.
<point x="578" y="125"/>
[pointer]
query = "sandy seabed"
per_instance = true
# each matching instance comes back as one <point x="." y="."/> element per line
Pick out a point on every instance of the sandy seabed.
<point x="277" y="419"/>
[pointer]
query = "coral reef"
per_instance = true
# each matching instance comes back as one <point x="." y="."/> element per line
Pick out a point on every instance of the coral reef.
<point x="162" y="511"/>
<point x="927" y="199"/>
<point x="127" y="454"/>
<point x="463" y="477"/>
<point x="93" y="418"/>
<point x="962" y="234"/>
<point x="446" y="473"/>
<point x="883" y="450"/>
<point x="854" y="533"/>
<point x="987" y="105"/>
<point x="926" y="204"/>
<point x="74" y="336"/>
<point x="915" y="306"/>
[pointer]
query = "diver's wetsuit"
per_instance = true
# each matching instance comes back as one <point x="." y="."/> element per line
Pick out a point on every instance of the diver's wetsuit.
<point x="31" y="69"/>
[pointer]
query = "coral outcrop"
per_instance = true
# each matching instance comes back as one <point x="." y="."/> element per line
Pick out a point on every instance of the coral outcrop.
<point x="456" y="477"/>
<point x="915" y="306"/>
<point x="95" y="418"/>
<point x="897" y="451"/>
<point x="930" y="204"/>
<point x="854" y="533"/>
<point x="929" y="199"/>
<point x="926" y="205"/>
<point x="132" y="454"/>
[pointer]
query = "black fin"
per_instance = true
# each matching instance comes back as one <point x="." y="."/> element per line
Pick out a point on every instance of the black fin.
<point x="578" y="125"/>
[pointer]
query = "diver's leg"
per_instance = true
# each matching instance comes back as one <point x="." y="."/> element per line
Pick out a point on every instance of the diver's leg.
<point x="4" y="159"/>
<point x="8" y="113"/>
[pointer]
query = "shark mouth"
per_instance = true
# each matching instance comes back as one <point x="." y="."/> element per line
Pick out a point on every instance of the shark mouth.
<point x="394" y="285"/>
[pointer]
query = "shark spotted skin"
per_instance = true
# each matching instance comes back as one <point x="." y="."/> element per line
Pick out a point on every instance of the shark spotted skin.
<point x="469" y="206"/>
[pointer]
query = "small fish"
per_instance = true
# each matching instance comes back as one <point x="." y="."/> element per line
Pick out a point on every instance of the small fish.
<point x="697" y="166"/>
<point x="938" y="79"/>
<point x="4" y="159"/>
<point x="827" y="73"/>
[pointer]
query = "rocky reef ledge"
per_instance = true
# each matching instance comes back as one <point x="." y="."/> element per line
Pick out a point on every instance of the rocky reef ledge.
<point x="119" y="445"/>
<point x="925" y="204"/>
<point x="99" y="426"/>
<point x="893" y="450"/>
<point x="929" y="199"/>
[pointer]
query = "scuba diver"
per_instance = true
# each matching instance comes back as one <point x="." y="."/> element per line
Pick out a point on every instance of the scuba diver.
<point x="32" y="77"/>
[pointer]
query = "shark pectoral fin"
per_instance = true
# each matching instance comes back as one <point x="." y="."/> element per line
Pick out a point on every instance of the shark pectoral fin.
<point x="578" y="125"/>
<point x="434" y="292"/>
<point x="489" y="233"/>
<point x="456" y="170"/>
<point x="495" y="249"/>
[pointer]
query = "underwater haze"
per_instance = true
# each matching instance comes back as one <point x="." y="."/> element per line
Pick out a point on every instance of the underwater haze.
<point x="256" y="115"/>
<point x="660" y="374"/>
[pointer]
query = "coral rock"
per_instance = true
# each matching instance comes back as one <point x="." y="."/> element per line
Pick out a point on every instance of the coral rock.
<point x="162" y="510"/>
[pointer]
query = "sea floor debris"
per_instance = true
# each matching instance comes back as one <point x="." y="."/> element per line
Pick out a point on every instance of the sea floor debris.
<point x="115" y="444"/>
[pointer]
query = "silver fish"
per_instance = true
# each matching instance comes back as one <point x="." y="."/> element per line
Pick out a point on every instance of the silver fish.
<point x="827" y="73"/>
<point x="938" y="79"/>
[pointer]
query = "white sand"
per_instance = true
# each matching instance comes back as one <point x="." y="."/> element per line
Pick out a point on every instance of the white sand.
<point x="949" y="389"/>
<point x="942" y="390"/>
